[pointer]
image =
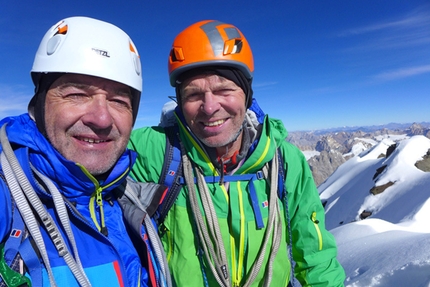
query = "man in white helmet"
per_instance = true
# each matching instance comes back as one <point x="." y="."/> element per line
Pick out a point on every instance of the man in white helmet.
<point x="64" y="219"/>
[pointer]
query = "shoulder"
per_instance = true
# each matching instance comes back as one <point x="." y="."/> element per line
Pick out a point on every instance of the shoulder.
<point x="143" y="134"/>
<point x="297" y="167"/>
<point x="149" y="143"/>
<point x="291" y="152"/>
<point x="147" y="140"/>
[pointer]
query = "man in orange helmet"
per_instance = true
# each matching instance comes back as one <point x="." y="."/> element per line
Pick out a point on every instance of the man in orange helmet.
<point x="248" y="209"/>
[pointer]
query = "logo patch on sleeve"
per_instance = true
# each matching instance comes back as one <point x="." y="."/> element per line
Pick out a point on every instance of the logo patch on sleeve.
<point x="15" y="233"/>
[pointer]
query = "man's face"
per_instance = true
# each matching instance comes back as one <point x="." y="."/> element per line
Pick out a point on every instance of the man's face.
<point x="214" y="109"/>
<point x="89" y="120"/>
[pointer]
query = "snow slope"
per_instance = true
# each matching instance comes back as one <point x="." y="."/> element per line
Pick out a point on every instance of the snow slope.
<point x="392" y="246"/>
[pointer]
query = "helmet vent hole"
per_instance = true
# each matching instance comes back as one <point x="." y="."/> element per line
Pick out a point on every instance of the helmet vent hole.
<point x="176" y="54"/>
<point x="53" y="44"/>
<point x="232" y="46"/>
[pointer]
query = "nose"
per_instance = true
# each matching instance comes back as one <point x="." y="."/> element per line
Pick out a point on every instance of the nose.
<point x="98" y="114"/>
<point x="210" y="103"/>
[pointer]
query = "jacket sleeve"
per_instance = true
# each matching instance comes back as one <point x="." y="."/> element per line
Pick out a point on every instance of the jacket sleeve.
<point x="6" y="210"/>
<point x="314" y="248"/>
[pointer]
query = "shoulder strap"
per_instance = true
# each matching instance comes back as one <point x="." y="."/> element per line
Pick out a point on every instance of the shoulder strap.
<point x="13" y="250"/>
<point x="171" y="172"/>
<point x="137" y="200"/>
<point x="282" y="175"/>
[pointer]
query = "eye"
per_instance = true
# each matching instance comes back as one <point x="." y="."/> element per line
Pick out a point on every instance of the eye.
<point x="124" y="102"/>
<point x="75" y="95"/>
<point x="191" y="97"/>
<point x="72" y="93"/>
<point x="224" y="91"/>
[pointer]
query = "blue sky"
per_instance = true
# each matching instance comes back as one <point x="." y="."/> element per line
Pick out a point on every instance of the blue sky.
<point x="318" y="64"/>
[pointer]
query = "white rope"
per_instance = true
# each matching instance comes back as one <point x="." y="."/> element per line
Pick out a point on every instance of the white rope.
<point x="211" y="239"/>
<point x="24" y="195"/>
<point x="217" y="252"/>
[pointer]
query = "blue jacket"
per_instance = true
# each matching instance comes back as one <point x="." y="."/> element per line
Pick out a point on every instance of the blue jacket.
<point x="110" y="260"/>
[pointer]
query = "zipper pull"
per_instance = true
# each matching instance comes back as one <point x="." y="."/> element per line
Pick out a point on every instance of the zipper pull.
<point x="314" y="218"/>
<point x="99" y="201"/>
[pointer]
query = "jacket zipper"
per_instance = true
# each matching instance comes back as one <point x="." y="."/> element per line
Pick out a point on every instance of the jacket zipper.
<point x="164" y="231"/>
<point x="97" y="196"/>
<point x="317" y="228"/>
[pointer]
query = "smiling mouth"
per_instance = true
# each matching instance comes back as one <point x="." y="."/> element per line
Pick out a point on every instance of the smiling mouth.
<point x="213" y="124"/>
<point x="92" y="141"/>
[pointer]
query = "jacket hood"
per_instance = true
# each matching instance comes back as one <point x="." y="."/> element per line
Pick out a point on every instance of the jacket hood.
<point x="71" y="179"/>
<point x="257" y="117"/>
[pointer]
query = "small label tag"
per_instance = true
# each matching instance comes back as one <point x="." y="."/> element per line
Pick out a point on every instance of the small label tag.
<point x="15" y="233"/>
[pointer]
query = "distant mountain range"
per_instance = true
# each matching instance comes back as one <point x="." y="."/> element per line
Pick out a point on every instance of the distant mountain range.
<point x="327" y="149"/>
<point x="389" y="126"/>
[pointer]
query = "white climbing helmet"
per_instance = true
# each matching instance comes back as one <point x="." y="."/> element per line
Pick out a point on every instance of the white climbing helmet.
<point x="92" y="47"/>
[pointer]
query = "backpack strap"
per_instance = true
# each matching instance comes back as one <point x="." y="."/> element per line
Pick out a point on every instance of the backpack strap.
<point x="282" y="176"/>
<point x="171" y="174"/>
<point x="138" y="201"/>
<point x="32" y="261"/>
<point x="12" y="252"/>
<point x="15" y="236"/>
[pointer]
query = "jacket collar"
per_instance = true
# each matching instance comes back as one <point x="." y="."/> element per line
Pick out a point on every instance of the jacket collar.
<point x="71" y="179"/>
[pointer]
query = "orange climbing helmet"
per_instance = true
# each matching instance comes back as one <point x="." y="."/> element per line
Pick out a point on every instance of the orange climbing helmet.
<point x="210" y="43"/>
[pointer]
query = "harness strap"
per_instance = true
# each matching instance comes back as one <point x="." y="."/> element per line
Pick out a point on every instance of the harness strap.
<point x="32" y="262"/>
<point x="229" y="178"/>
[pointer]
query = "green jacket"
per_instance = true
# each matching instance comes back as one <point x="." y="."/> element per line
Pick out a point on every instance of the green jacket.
<point x="314" y="248"/>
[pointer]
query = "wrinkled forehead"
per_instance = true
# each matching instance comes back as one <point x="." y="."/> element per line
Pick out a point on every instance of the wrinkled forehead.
<point x="87" y="82"/>
<point x="209" y="77"/>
